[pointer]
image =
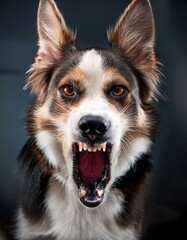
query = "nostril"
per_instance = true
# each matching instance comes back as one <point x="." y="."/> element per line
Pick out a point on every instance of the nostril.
<point x="101" y="129"/>
<point x="84" y="127"/>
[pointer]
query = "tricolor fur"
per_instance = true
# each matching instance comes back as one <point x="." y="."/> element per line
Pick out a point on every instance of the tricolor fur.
<point x="85" y="165"/>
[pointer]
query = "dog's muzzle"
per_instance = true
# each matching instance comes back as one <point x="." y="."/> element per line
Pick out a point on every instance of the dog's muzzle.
<point x="91" y="159"/>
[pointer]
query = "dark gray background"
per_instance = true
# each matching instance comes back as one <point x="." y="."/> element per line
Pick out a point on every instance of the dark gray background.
<point x="167" y="209"/>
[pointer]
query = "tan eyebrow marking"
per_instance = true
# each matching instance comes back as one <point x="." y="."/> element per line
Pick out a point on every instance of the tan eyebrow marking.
<point x="73" y="74"/>
<point x="113" y="74"/>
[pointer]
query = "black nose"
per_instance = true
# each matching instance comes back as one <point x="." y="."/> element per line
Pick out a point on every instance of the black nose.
<point x="93" y="125"/>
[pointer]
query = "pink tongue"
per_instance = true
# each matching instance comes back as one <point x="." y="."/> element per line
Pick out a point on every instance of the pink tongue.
<point x="91" y="164"/>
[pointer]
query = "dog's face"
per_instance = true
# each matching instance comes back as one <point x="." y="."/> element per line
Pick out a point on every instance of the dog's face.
<point x="93" y="116"/>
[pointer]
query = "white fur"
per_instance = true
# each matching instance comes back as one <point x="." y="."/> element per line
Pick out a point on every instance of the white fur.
<point x="70" y="220"/>
<point x="27" y="230"/>
<point x="50" y="147"/>
<point x="87" y="223"/>
<point x="91" y="65"/>
<point x="128" y="157"/>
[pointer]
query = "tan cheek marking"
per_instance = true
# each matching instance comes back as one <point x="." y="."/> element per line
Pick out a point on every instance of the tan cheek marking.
<point x="50" y="122"/>
<point x="43" y="119"/>
<point x="141" y="118"/>
<point x="138" y="127"/>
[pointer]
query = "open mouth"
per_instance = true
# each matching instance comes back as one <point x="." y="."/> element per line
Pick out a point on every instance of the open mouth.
<point x="91" y="171"/>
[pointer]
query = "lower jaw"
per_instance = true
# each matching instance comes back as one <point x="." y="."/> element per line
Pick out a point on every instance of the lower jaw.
<point x="92" y="194"/>
<point x="92" y="199"/>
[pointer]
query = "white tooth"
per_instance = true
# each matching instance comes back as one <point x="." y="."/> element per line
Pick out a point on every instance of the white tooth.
<point x="90" y="149"/>
<point x="80" y="146"/>
<point x="103" y="146"/>
<point x="94" y="149"/>
<point x="83" y="192"/>
<point x="99" y="147"/>
<point x="99" y="192"/>
<point x="85" y="146"/>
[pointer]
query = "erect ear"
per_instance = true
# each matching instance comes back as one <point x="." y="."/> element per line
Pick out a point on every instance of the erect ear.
<point x="53" y="33"/>
<point x="54" y="36"/>
<point x="134" y="34"/>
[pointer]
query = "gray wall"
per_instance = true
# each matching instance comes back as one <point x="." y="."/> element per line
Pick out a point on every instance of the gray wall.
<point x="167" y="211"/>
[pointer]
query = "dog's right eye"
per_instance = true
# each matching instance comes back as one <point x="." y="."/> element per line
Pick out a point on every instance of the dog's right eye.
<point x="68" y="90"/>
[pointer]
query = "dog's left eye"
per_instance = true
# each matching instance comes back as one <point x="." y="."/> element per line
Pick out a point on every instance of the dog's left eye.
<point x="68" y="90"/>
<point x="119" y="91"/>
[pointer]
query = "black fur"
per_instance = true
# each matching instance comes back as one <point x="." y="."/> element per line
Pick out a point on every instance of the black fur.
<point x="34" y="182"/>
<point x="133" y="185"/>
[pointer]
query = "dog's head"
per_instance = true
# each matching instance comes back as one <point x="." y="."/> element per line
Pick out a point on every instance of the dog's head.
<point x="93" y="112"/>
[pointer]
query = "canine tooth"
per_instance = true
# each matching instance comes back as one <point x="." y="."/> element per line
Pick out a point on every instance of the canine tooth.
<point x="103" y="146"/>
<point x="83" y="192"/>
<point x="80" y="146"/>
<point x="99" y="192"/>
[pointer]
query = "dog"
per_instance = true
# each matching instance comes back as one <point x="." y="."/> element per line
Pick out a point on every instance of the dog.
<point x="86" y="164"/>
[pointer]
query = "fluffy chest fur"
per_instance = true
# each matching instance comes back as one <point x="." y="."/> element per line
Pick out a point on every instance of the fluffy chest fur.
<point x="66" y="218"/>
<point x="70" y="220"/>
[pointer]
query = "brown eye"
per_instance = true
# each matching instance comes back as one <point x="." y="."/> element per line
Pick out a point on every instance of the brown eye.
<point x="119" y="91"/>
<point x="68" y="91"/>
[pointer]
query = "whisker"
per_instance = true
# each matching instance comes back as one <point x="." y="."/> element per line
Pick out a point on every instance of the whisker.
<point x="138" y="130"/>
<point x="61" y="107"/>
<point x="131" y="137"/>
<point x="125" y="108"/>
<point x="126" y="142"/>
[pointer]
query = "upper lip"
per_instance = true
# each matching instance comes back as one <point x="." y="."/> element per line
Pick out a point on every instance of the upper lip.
<point x="92" y="139"/>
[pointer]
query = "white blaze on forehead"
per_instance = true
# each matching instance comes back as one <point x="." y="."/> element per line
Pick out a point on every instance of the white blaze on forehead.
<point x="91" y="65"/>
